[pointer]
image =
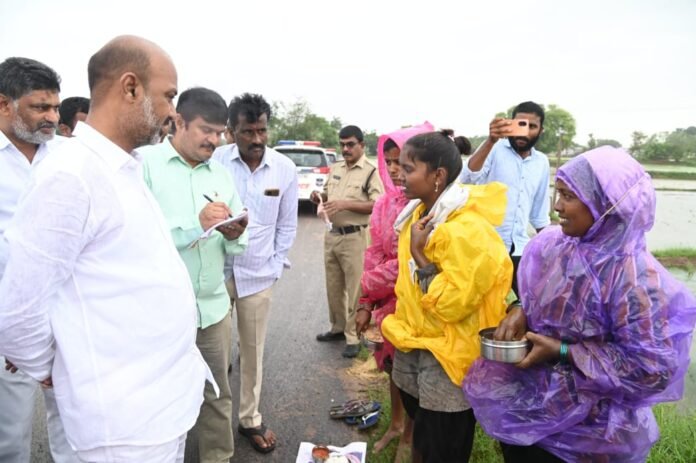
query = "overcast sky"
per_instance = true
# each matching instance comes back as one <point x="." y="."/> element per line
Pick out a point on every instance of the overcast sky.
<point x="617" y="66"/>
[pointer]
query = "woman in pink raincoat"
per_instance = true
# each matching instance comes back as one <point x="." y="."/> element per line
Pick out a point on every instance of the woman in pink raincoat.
<point x="381" y="268"/>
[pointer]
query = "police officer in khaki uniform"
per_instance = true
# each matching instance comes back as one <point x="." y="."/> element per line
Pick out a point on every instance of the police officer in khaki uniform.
<point x="351" y="191"/>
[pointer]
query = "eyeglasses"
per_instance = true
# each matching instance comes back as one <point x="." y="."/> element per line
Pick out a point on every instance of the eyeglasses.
<point x="349" y="145"/>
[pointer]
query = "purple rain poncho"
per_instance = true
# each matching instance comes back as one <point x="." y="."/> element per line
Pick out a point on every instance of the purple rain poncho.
<point x="627" y="321"/>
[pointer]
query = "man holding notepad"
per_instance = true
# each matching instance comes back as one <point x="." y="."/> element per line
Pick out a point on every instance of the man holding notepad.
<point x="195" y="195"/>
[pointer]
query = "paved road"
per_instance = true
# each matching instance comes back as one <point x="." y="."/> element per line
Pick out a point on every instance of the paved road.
<point x="302" y="376"/>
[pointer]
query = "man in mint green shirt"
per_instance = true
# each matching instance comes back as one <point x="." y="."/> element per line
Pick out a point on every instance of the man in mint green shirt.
<point x="195" y="194"/>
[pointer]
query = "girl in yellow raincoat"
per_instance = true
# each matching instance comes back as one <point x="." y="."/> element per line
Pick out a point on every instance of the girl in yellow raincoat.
<point x="454" y="275"/>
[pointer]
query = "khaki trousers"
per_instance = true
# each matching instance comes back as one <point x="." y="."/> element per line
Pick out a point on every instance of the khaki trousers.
<point x="344" y="256"/>
<point x="215" y="438"/>
<point x="252" y="323"/>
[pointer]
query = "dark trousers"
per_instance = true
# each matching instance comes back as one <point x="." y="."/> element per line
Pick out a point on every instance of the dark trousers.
<point x="528" y="454"/>
<point x="440" y="437"/>
<point x="515" y="266"/>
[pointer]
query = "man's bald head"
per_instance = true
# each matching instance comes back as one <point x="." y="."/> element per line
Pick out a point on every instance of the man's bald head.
<point x="123" y="54"/>
<point x="133" y="83"/>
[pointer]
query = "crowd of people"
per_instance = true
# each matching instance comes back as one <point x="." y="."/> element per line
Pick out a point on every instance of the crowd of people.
<point x="129" y="242"/>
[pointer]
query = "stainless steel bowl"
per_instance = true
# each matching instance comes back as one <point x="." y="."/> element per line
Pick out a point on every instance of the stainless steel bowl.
<point x="502" y="351"/>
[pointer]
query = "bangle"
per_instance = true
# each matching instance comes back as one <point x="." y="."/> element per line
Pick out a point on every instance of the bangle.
<point x="365" y="309"/>
<point x="563" y="354"/>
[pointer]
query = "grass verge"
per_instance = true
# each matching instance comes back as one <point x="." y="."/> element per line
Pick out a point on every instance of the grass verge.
<point x="677" y="435"/>
<point x="683" y="258"/>
<point x="672" y="175"/>
<point x="676" y="444"/>
<point x="675" y="252"/>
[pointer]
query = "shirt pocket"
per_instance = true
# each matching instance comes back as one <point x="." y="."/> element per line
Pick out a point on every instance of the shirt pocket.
<point x="355" y="191"/>
<point x="266" y="210"/>
<point x="332" y="187"/>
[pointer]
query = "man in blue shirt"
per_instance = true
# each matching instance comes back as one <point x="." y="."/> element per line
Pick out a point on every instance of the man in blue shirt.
<point x="513" y="161"/>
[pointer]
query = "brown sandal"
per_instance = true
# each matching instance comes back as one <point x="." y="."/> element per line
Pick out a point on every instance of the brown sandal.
<point x="250" y="433"/>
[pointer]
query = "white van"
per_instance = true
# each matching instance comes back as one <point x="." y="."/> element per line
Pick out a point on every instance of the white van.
<point x="312" y="163"/>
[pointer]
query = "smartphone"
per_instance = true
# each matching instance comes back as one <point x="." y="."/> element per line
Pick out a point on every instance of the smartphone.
<point x="518" y="128"/>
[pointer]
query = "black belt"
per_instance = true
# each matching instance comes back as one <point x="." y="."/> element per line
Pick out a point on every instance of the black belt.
<point x="346" y="230"/>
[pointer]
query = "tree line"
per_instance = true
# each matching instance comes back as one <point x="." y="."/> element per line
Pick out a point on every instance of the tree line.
<point x="297" y="121"/>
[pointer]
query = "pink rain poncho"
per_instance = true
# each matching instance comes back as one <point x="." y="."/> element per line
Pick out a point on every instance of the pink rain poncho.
<point x="627" y="321"/>
<point x="381" y="266"/>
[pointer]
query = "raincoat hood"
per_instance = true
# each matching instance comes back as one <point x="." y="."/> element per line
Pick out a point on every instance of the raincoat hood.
<point x="619" y="194"/>
<point x="400" y="137"/>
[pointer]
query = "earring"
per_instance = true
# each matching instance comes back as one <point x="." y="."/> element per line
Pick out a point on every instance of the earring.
<point x="437" y="186"/>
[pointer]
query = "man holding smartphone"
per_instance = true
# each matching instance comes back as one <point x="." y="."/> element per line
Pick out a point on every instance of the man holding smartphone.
<point x="508" y="156"/>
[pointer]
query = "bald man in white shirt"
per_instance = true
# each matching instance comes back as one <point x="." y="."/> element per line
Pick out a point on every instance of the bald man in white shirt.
<point x="95" y="297"/>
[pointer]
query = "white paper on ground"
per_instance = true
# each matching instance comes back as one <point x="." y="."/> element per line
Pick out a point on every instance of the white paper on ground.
<point x="356" y="450"/>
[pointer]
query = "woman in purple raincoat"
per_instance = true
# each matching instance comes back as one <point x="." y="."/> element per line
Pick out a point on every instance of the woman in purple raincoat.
<point x="609" y="326"/>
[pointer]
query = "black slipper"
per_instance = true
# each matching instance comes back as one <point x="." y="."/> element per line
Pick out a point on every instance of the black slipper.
<point x="249" y="433"/>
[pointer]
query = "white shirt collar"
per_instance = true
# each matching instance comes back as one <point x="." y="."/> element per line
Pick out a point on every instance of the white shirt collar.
<point x="267" y="159"/>
<point x="114" y="156"/>
<point x="4" y="141"/>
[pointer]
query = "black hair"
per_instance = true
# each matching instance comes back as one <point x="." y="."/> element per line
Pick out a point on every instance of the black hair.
<point x="199" y="101"/>
<point x="250" y="105"/>
<point x="389" y="144"/>
<point x="463" y="145"/>
<point x="436" y="149"/>
<point x="529" y="107"/>
<point x="351" y="131"/>
<point x="19" y="76"/>
<point x="113" y="60"/>
<point x="69" y="108"/>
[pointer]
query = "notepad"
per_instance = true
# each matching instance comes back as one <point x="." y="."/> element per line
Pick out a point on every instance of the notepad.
<point x="206" y="234"/>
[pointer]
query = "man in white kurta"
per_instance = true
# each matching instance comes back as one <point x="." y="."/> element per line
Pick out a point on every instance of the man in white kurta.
<point x="95" y="297"/>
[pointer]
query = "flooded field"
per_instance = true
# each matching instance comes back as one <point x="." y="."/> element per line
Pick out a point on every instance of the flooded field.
<point x="675" y="220"/>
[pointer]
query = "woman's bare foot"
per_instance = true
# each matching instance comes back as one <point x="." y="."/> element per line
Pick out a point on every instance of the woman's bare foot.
<point x="403" y="452"/>
<point x="388" y="436"/>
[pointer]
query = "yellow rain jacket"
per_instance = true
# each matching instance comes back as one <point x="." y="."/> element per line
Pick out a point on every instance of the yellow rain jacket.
<point x="467" y="295"/>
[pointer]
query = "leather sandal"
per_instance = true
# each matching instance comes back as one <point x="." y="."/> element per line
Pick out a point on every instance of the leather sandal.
<point x="250" y="433"/>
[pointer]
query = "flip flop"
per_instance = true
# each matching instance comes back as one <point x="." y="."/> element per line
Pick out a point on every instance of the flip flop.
<point x="249" y="433"/>
<point x="369" y="420"/>
<point x="346" y="404"/>
<point x="354" y="408"/>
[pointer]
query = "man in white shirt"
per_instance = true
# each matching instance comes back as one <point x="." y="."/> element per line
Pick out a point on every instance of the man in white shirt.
<point x="95" y="297"/>
<point x="267" y="183"/>
<point x="72" y="110"/>
<point x="28" y="118"/>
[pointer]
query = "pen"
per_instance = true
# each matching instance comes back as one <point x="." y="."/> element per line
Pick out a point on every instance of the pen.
<point x="211" y="201"/>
